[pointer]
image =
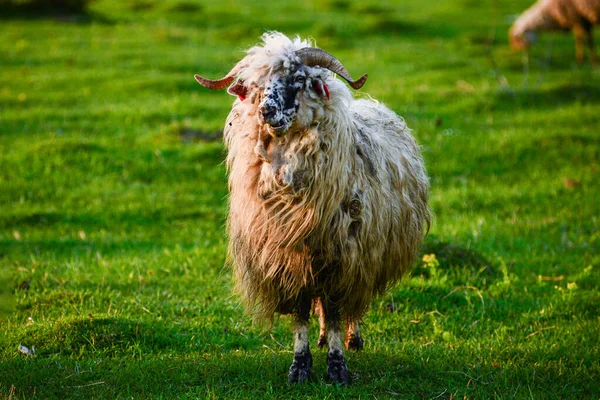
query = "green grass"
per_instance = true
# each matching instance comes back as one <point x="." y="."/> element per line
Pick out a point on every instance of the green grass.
<point x="113" y="201"/>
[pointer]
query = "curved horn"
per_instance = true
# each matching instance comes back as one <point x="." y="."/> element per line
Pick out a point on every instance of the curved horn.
<point x="222" y="83"/>
<point x="311" y="56"/>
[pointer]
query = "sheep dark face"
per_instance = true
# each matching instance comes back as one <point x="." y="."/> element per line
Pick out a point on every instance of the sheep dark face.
<point x="280" y="102"/>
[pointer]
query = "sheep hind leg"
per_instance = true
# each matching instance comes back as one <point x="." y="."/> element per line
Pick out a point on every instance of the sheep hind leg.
<point x="322" y="323"/>
<point x="353" y="340"/>
<point x="589" y="32"/>
<point x="302" y="364"/>
<point x="337" y="371"/>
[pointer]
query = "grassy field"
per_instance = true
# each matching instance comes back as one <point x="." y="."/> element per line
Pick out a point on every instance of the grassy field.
<point x="113" y="199"/>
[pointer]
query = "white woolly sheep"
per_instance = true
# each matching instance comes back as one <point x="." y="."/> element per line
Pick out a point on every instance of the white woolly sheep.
<point x="328" y="194"/>
<point x="580" y="16"/>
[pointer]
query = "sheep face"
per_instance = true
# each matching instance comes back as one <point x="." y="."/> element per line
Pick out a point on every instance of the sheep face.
<point x="290" y="99"/>
<point x="279" y="103"/>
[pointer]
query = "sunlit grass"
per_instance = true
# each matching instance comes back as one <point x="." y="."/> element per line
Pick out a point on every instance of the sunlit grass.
<point x="113" y="201"/>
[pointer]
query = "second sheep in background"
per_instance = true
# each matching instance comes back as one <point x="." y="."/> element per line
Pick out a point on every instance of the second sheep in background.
<point x="580" y="16"/>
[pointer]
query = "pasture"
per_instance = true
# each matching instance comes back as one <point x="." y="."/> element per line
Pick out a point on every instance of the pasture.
<point x="113" y="199"/>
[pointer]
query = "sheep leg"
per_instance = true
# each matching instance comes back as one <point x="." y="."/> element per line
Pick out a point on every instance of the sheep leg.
<point x="589" y="32"/>
<point x="337" y="371"/>
<point x="300" y="368"/>
<point x="579" y="33"/>
<point x="353" y="339"/>
<point x="322" y="323"/>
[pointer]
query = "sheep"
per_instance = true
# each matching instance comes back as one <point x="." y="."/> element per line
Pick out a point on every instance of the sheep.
<point x="580" y="16"/>
<point x="328" y="195"/>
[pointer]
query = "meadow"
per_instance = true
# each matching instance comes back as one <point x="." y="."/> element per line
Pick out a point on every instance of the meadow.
<point x="113" y="199"/>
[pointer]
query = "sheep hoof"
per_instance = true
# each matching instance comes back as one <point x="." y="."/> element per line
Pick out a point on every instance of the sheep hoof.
<point x="300" y="368"/>
<point x="355" y="342"/>
<point x="322" y="342"/>
<point x="337" y="371"/>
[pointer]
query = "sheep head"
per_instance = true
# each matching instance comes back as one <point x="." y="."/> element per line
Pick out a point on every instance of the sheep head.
<point x="278" y="85"/>
<point x="524" y="31"/>
<point x="521" y="40"/>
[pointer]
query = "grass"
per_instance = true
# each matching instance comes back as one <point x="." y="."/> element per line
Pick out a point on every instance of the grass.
<point x="113" y="202"/>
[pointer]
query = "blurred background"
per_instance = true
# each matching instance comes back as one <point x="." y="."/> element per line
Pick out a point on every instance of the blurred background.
<point x="113" y="200"/>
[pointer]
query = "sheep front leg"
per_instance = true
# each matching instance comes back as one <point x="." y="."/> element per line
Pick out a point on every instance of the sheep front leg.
<point x="337" y="371"/>
<point x="300" y="368"/>
<point x="579" y="33"/>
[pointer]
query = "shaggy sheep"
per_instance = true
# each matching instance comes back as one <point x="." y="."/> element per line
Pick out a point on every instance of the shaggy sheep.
<point x="328" y="194"/>
<point x="577" y="15"/>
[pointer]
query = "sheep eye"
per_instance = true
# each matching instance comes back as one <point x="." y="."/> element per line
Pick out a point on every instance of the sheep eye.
<point x="300" y="79"/>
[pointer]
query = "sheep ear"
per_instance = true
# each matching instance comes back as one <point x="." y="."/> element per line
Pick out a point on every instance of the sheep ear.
<point x="238" y="89"/>
<point x="321" y="88"/>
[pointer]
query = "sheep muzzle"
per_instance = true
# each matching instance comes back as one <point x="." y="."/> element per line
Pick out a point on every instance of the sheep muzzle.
<point x="278" y="106"/>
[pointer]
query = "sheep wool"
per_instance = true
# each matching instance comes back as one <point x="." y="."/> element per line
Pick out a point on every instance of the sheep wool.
<point x="328" y="194"/>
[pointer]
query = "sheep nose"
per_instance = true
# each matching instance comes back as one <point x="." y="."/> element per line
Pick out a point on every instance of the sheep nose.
<point x="268" y="111"/>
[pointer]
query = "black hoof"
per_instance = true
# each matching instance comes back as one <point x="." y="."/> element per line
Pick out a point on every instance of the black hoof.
<point x="337" y="371"/>
<point x="322" y="342"/>
<point x="355" y="342"/>
<point x="300" y="368"/>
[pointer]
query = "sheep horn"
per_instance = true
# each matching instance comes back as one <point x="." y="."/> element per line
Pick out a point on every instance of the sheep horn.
<point x="222" y="83"/>
<point x="312" y="57"/>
